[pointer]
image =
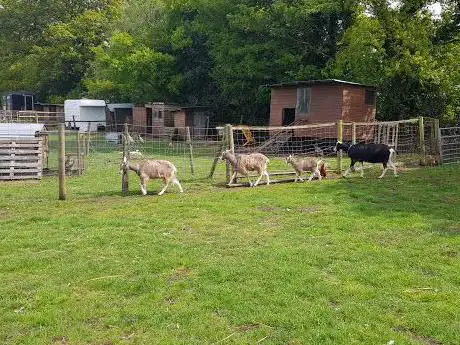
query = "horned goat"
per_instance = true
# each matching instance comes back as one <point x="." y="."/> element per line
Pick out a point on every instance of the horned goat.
<point x="316" y="166"/>
<point x="152" y="169"/>
<point x="244" y="163"/>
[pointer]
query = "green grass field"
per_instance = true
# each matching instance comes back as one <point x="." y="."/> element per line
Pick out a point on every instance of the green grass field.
<point x="355" y="261"/>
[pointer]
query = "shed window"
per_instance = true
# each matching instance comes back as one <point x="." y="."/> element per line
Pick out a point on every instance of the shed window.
<point x="303" y="100"/>
<point x="370" y="97"/>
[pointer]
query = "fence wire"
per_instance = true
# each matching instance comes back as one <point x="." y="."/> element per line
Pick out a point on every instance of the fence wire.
<point x="194" y="150"/>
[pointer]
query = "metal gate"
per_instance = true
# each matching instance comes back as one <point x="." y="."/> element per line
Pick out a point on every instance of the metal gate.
<point x="449" y="144"/>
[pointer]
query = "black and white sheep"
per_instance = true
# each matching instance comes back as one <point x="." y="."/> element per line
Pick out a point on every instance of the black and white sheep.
<point x="371" y="153"/>
<point x="152" y="169"/>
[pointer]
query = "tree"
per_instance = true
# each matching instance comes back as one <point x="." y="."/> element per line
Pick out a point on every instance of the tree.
<point x="126" y="70"/>
<point x="396" y="49"/>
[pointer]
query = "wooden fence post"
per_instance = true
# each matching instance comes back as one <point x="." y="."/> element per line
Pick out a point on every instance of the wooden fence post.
<point x="219" y="152"/>
<point x="62" y="189"/>
<point x="339" y="138"/>
<point x="438" y="139"/>
<point x="88" y="138"/>
<point x="421" y="133"/>
<point x="353" y="133"/>
<point x="79" y="154"/>
<point x="189" y="141"/>
<point x="124" y="177"/>
<point x="231" y="147"/>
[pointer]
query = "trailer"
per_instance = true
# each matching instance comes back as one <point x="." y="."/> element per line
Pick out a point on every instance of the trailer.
<point x="85" y="114"/>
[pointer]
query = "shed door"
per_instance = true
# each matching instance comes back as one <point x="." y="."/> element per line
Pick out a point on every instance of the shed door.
<point x="288" y="116"/>
<point x="148" y="119"/>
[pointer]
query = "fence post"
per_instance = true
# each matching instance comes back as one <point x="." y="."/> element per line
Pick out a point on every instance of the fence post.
<point x="339" y="138"/>
<point x="231" y="147"/>
<point x="124" y="178"/>
<point x="88" y="138"/>
<point x="189" y="141"/>
<point x="79" y="153"/>
<point x="421" y="133"/>
<point x="219" y="151"/>
<point x="438" y="139"/>
<point x="62" y="189"/>
<point x="353" y="133"/>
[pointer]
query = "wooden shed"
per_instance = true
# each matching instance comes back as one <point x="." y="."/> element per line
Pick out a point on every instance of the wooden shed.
<point x="316" y="101"/>
<point x="118" y="114"/>
<point x="22" y="150"/>
<point x="155" y="116"/>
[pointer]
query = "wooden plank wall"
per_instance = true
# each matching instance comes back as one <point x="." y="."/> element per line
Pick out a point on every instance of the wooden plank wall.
<point x="21" y="159"/>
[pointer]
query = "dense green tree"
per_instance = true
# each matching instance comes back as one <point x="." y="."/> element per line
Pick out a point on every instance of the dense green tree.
<point x="47" y="44"/>
<point x="398" y="49"/>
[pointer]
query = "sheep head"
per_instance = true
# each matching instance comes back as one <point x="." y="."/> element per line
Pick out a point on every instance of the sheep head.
<point x="224" y="154"/>
<point x="289" y="159"/>
<point x="341" y="146"/>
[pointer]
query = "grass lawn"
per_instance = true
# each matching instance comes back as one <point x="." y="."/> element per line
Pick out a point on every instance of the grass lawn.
<point x="355" y="261"/>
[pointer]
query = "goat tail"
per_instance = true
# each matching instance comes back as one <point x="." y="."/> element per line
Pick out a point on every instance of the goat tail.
<point x="322" y="168"/>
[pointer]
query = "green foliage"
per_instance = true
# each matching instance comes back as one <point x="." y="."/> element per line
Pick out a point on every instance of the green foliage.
<point x="129" y="71"/>
<point x="221" y="53"/>
<point x="397" y="49"/>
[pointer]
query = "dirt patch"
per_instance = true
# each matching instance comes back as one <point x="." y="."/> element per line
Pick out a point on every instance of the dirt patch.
<point x="60" y="340"/>
<point x="179" y="274"/>
<point x="247" y="328"/>
<point x="450" y="231"/>
<point x="425" y="340"/>
<point x="287" y="209"/>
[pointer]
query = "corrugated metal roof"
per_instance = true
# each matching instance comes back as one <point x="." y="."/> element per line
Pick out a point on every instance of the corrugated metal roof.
<point x="20" y="130"/>
<point x="86" y="102"/>
<point x="319" y="82"/>
<point x="113" y="106"/>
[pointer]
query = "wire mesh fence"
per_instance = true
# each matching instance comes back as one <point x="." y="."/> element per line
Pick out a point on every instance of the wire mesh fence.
<point x="194" y="151"/>
<point x="449" y="144"/>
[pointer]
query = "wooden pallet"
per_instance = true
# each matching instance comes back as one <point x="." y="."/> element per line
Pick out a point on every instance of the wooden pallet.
<point x="21" y="159"/>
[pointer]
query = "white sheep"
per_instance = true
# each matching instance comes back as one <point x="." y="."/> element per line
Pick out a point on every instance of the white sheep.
<point x="306" y="164"/>
<point x="243" y="163"/>
<point x="152" y="169"/>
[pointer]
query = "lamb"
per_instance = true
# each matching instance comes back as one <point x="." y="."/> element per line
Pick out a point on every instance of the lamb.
<point x="317" y="167"/>
<point x="152" y="169"/>
<point x="243" y="163"/>
<point x="372" y="153"/>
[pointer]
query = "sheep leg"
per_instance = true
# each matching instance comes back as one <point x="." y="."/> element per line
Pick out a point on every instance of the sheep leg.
<point x="297" y="177"/>
<point x="267" y="177"/>
<point x="393" y="166"/>
<point x="362" y="169"/>
<point x="314" y="173"/>
<point x="143" y="185"/>
<point x="232" y="177"/>
<point x="259" y="178"/>
<point x="167" y="181"/>
<point x="352" y="167"/>
<point x="249" y="180"/>
<point x="177" y="183"/>
<point x="385" y="168"/>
